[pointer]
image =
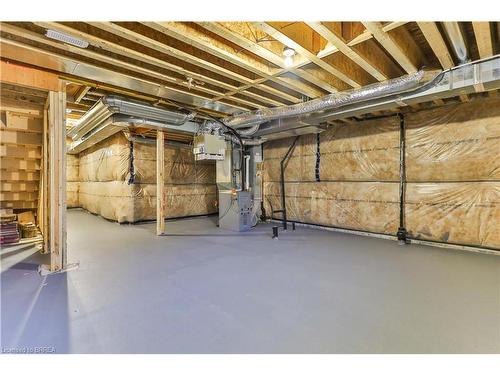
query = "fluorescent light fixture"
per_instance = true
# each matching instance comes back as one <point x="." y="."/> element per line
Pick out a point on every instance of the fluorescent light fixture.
<point x="65" y="38"/>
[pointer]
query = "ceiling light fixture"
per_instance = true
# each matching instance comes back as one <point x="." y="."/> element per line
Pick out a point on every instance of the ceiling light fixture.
<point x="65" y="38"/>
<point x="288" y="52"/>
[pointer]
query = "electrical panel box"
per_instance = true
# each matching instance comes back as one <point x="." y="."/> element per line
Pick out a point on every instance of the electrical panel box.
<point x="209" y="147"/>
<point x="235" y="210"/>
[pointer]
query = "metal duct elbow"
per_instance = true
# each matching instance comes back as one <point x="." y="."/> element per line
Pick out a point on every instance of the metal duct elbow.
<point x="336" y="100"/>
<point x="457" y="41"/>
<point x="250" y="131"/>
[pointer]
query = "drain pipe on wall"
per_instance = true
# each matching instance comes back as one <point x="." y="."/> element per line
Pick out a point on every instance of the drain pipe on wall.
<point x="402" y="235"/>
<point x="282" y="175"/>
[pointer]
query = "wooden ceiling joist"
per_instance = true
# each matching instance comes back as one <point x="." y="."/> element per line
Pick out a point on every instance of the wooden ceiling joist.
<point x="438" y="46"/>
<point x="99" y="57"/>
<point x="28" y="77"/>
<point x="110" y="89"/>
<point x="336" y="41"/>
<point x="189" y="35"/>
<point x="163" y="48"/>
<point x="286" y="40"/>
<point x="437" y="43"/>
<point x="482" y="31"/>
<point x="259" y="50"/>
<point x="80" y="94"/>
<point x="390" y="45"/>
<point x="367" y="35"/>
<point x="127" y="52"/>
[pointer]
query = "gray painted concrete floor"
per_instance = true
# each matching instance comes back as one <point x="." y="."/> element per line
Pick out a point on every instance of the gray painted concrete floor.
<point x="203" y="290"/>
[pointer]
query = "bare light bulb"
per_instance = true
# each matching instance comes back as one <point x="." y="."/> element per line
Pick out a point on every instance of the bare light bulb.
<point x="288" y="61"/>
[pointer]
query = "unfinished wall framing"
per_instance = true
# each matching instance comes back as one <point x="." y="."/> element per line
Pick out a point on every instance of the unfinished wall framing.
<point x="117" y="180"/>
<point x="32" y="158"/>
<point x="452" y="170"/>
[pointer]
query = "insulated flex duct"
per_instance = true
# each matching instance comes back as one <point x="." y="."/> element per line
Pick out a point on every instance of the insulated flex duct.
<point x="378" y="90"/>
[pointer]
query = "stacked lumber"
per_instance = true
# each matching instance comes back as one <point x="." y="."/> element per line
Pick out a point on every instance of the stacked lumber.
<point x="27" y="226"/>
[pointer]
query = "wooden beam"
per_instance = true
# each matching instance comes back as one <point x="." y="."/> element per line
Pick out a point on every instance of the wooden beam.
<point x="437" y="43"/>
<point x="366" y="35"/>
<point x="57" y="181"/>
<point x="43" y="202"/>
<point x="28" y="77"/>
<point x="438" y="46"/>
<point x="160" y="186"/>
<point x="238" y="59"/>
<point x="127" y="52"/>
<point x="264" y="53"/>
<point x="390" y="46"/>
<point x="287" y="41"/>
<point x="336" y="41"/>
<point x="122" y="64"/>
<point x="482" y="31"/>
<point x="393" y="25"/>
<point x="166" y="49"/>
<point x="79" y="95"/>
<point x="189" y="35"/>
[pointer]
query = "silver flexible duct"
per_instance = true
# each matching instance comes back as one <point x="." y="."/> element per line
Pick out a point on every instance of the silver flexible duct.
<point x="378" y="90"/>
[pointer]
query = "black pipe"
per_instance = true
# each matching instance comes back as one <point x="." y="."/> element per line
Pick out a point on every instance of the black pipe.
<point x="275" y="231"/>
<point x="402" y="234"/>
<point x="318" y="158"/>
<point x="131" y="178"/>
<point x="282" y="176"/>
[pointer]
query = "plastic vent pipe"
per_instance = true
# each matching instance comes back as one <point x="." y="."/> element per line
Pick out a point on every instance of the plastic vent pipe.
<point x="456" y="38"/>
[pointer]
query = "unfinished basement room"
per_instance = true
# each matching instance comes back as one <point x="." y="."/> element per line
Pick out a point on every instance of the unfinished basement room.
<point x="250" y="187"/>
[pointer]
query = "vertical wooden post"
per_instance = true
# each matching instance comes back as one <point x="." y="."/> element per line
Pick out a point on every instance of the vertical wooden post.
<point x="43" y="202"/>
<point x="160" y="188"/>
<point x="57" y="179"/>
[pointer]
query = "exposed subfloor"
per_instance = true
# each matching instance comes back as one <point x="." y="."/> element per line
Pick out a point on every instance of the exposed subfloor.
<point x="203" y="290"/>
